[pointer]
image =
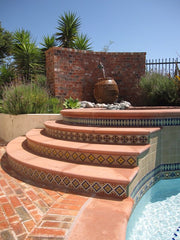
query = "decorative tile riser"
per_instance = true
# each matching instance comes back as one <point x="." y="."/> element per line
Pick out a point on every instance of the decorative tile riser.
<point x="98" y="138"/>
<point x="149" y="122"/>
<point x="83" y="157"/>
<point x="74" y="184"/>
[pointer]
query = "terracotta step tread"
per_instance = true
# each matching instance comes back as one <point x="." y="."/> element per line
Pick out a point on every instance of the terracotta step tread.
<point x="36" y="136"/>
<point x="113" y="130"/>
<point x="16" y="151"/>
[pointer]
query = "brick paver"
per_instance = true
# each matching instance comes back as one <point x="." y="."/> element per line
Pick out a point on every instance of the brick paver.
<point x="29" y="212"/>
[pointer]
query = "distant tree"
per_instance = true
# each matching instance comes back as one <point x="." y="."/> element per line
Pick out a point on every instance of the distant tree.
<point x="68" y="26"/>
<point x="5" y="43"/>
<point x="7" y="75"/>
<point x="107" y="47"/>
<point x="26" y="55"/>
<point x="82" y="42"/>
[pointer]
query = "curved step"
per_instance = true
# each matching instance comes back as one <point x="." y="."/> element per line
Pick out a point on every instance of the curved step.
<point x="132" y="117"/>
<point x="103" y="181"/>
<point x="86" y="153"/>
<point x="101" y="135"/>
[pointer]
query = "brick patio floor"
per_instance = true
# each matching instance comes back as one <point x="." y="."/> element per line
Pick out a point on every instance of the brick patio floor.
<point x="28" y="212"/>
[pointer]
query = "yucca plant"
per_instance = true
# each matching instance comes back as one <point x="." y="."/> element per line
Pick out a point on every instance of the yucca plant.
<point x="48" y="42"/>
<point x="68" y="26"/>
<point x="26" y="55"/>
<point x="82" y="42"/>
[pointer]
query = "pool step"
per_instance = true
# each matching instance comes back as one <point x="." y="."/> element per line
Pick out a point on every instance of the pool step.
<point x="104" y="181"/>
<point x="84" y="153"/>
<point x="100" y="135"/>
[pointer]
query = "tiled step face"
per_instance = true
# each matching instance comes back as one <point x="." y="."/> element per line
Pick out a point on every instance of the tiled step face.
<point x="81" y="153"/>
<point x="118" y="136"/>
<point x="83" y="157"/>
<point x="109" y="182"/>
<point x="134" y="117"/>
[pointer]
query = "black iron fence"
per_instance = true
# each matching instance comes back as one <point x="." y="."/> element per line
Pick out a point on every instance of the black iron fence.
<point x="163" y="66"/>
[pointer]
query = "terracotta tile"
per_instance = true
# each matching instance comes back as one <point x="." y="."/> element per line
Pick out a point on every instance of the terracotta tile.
<point x="3" y="183"/>
<point x="66" y="206"/>
<point x="9" y="211"/>
<point x="43" y="232"/>
<point x="50" y="224"/>
<point x="30" y="224"/>
<point x="62" y="212"/>
<point x="7" y="234"/>
<point x="23" y="213"/>
<point x="31" y="195"/>
<point x="4" y="225"/>
<point x="18" y="228"/>
<point x="14" y="219"/>
<point x="3" y="200"/>
<point x="14" y="201"/>
<point x="57" y="217"/>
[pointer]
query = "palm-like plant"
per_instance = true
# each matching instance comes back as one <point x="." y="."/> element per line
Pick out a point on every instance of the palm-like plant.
<point x="48" y="42"/>
<point x="82" y="42"/>
<point x="26" y="55"/>
<point x="67" y="30"/>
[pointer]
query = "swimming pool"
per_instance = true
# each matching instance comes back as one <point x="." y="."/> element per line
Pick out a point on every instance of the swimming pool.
<point x="157" y="215"/>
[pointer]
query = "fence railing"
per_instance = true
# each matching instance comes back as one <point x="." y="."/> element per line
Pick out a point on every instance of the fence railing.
<point x="163" y="66"/>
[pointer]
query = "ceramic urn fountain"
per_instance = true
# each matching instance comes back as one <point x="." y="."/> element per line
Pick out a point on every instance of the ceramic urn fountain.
<point x="106" y="89"/>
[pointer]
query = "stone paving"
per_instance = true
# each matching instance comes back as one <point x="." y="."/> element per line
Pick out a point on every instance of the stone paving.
<point x="29" y="212"/>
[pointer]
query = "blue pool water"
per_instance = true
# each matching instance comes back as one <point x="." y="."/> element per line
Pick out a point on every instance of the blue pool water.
<point x="157" y="215"/>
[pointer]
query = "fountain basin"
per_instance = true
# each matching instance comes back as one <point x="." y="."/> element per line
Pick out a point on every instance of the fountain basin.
<point x="132" y="117"/>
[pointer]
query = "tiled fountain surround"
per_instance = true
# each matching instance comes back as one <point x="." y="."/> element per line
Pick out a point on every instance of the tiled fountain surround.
<point x="163" y="158"/>
<point x="160" y="161"/>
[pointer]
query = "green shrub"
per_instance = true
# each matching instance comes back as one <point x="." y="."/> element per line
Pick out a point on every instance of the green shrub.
<point x="158" y="90"/>
<point x="71" y="103"/>
<point x="40" y="80"/>
<point x="21" y="99"/>
<point x="6" y="76"/>
<point x="54" y="105"/>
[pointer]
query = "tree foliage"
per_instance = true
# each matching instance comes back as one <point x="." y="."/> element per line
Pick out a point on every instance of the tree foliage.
<point x="68" y="26"/>
<point x="27" y="55"/>
<point x="48" y="42"/>
<point x="68" y="33"/>
<point x="82" y="42"/>
<point x="5" y="43"/>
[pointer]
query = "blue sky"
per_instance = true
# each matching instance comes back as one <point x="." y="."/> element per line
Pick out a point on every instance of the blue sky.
<point x="150" y="26"/>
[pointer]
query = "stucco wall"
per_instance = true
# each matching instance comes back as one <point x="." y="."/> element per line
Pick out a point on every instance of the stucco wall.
<point x="12" y="126"/>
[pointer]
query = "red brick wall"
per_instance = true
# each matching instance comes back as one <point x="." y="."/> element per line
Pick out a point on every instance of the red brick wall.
<point x="73" y="72"/>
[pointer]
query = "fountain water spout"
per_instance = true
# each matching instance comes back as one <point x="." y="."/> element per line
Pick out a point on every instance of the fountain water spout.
<point x="101" y="66"/>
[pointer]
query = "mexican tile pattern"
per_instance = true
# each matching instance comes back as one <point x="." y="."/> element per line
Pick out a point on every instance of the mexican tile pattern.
<point x="82" y="157"/>
<point x="70" y="183"/>
<point x="98" y="138"/>
<point x="163" y="171"/>
<point x="154" y="122"/>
